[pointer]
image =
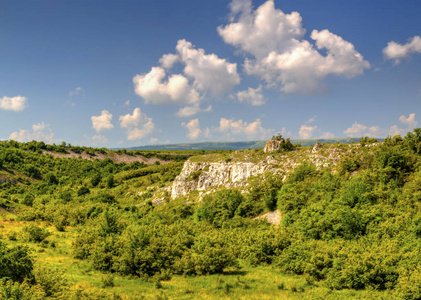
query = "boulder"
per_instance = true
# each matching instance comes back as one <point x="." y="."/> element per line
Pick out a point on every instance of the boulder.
<point x="273" y="145"/>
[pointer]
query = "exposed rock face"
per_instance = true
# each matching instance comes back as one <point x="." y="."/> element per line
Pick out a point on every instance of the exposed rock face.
<point x="204" y="175"/>
<point x="273" y="146"/>
<point x="215" y="174"/>
<point x="316" y="147"/>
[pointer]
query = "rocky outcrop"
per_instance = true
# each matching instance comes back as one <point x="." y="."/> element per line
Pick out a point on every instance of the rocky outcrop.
<point x="273" y="145"/>
<point x="202" y="175"/>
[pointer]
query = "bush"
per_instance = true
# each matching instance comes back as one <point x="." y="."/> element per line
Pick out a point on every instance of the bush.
<point x="51" y="179"/>
<point x="36" y="234"/>
<point x="220" y="207"/>
<point x="83" y="191"/>
<point x="15" y="262"/>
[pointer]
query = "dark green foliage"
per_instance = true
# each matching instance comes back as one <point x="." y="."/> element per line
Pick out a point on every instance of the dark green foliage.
<point x="367" y="141"/>
<point x="220" y="207"/>
<point x="83" y="191"/>
<point x="33" y="172"/>
<point x="105" y="198"/>
<point x="15" y="263"/>
<point x="96" y="179"/>
<point x="110" y="181"/>
<point x="50" y="178"/>
<point x="301" y="172"/>
<point x="36" y="234"/>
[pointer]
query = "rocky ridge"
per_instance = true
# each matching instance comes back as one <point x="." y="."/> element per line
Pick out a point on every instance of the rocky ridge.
<point x="203" y="175"/>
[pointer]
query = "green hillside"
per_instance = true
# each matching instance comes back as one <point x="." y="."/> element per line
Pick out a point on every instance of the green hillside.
<point x="74" y="228"/>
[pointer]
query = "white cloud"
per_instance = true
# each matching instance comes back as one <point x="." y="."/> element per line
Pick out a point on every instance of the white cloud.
<point x="410" y="121"/>
<point x="252" y="96"/>
<point x="76" y="91"/>
<point x="40" y="132"/>
<point x="203" y="73"/>
<point x="239" y="128"/>
<point x="188" y="111"/>
<point x="396" y="51"/>
<point x="280" y="54"/>
<point x="209" y="72"/>
<point x="16" y="103"/>
<point x="360" y="130"/>
<point x="285" y="133"/>
<point x="138" y="125"/>
<point x="153" y="89"/>
<point x="153" y="140"/>
<point x="102" y="122"/>
<point x="311" y="120"/>
<point x="193" y="130"/>
<point x="127" y="103"/>
<point x="167" y="61"/>
<point x="307" y="132"/>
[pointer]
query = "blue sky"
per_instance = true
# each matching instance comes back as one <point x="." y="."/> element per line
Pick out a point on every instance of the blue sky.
<point x="128" y="73"/>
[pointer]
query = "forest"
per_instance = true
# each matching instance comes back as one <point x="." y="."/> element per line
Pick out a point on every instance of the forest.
<point x="73" y="228"/>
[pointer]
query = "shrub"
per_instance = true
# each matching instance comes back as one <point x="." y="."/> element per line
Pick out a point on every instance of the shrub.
<point x="15" y="262"/>
<point x="36" y="234"/>
<point x="83" y="191"/>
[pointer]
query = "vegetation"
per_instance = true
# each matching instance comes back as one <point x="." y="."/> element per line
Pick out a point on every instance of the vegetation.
<point x="95" y="229"/>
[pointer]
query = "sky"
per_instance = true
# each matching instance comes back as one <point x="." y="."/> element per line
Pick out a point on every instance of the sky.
<point x="130" y="73"/>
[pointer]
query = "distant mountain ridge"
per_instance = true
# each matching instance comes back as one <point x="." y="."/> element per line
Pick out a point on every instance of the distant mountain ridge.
<point x="239" y="145"/>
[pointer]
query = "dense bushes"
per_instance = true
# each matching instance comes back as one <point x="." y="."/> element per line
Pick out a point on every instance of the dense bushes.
<point x="15" y="263"/>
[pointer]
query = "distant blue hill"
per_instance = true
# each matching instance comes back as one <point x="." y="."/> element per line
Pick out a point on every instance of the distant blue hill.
<point x="238" y="145"/>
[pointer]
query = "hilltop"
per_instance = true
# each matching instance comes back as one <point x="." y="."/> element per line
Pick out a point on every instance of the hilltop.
<point x="239" y="145"/>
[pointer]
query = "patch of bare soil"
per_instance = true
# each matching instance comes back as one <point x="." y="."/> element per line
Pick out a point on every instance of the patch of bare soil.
<point x="273" y="217"/>
<point x="115" y="157"/>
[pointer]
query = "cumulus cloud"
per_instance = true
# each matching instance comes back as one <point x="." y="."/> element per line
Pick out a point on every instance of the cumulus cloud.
<point x="234" y="129"/>
<point x="167" y="61"/>
<point x="359" y="130"/>
<point x="102" y="122"/>
<point x="209" y="72"/>
<point x="308" y="131"/>
<point x="40" y="132"/>
<point x="279" y="53"/>
<point x="16" y="103"/>
<point x="203" y="73"/>
<point x="138" y="125"/>
<point x="410" y="121"/>
<point x="76" y="91"/>
<point x="252" y="96"/>
<point x="155" y="89"/>
<point x="153" y="140"/>
<point x="193" y="130"/>
<point x="188" y="111"/>
<point x="396" y="51"/>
